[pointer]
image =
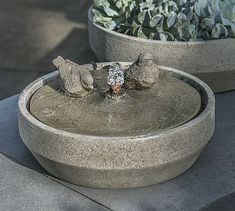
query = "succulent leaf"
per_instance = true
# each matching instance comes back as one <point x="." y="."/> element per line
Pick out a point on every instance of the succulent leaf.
<point x="140" y="33"/>
<point x="166" y="36"/>
<point x="219" y="31"/>
<point x="142" y="16"/>
<point x="155" y="20"/>
<point x="207" y="23"/>
<point x="105" y="6"/>
<point x="110" y="25"/>
<point x="99" y="17"/>
<point x="199" y="9"/>
<point x="195" y="20"/>
<point x="173" y="6"/>
<point x="171" y="19"/>
<point x="227" y="9"/>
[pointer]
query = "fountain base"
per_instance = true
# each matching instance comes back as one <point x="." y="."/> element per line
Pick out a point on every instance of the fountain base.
<point x="122" y="160"/>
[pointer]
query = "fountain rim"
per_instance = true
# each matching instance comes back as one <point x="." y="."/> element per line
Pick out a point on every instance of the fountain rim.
<point x="27" y="93"/>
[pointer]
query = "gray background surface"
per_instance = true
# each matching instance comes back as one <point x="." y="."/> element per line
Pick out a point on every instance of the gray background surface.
<point x="33" y="32"/>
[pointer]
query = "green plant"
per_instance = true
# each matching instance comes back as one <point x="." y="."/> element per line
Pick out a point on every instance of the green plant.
<point x="168" y="20"/>
<point x="228" y="15"/>
<point x="217" y="18"/>
<point x="113" y="14"/>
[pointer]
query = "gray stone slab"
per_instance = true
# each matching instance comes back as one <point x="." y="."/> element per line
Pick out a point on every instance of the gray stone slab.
<point x="210" y="183"/>
<point x="24" y="189"/>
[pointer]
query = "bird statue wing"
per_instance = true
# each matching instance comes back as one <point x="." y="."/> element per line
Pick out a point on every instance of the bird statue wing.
<point x="70" y="76"/>
<point x="86" y="77"/>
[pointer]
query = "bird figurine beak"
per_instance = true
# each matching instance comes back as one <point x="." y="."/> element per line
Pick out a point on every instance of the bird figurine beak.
<point x="88" y="87"/>
<point x="91" y="87"/>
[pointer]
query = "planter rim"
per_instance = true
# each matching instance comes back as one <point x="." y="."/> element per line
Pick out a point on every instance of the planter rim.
<point x="90" y="15"/>
<point x="26" y="94"/>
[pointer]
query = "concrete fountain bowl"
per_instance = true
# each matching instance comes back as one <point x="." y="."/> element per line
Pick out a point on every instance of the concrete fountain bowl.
<point x="119" y="158"/>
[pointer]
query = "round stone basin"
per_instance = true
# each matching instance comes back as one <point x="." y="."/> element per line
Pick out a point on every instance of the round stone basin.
<point x="169" y="103"/>
<point x="142" y="138"/>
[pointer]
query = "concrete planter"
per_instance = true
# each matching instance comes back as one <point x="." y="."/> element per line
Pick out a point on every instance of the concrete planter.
<point x="211" y="61"/>
<point x="119" y="161"/>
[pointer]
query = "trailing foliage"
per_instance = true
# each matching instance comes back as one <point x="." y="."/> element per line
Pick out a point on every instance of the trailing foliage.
<point x="168" y="20"/>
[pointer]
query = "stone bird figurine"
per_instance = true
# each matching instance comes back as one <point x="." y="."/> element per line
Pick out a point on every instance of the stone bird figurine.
<point x="142" y="74"/>
<point x="76" y="80"/>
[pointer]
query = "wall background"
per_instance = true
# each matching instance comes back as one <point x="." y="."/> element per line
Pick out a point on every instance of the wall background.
<point x="33" y="32"/>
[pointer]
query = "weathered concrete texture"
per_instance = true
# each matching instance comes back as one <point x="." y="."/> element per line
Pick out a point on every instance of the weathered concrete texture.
<point x="210" y="183"/>
<point x="212" y="61"/>
<point x="118" y="161"/>
<point x="226" y="203"/>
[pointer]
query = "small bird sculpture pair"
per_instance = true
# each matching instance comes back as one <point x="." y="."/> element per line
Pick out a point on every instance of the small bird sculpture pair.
<point x="78" y="81"/>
